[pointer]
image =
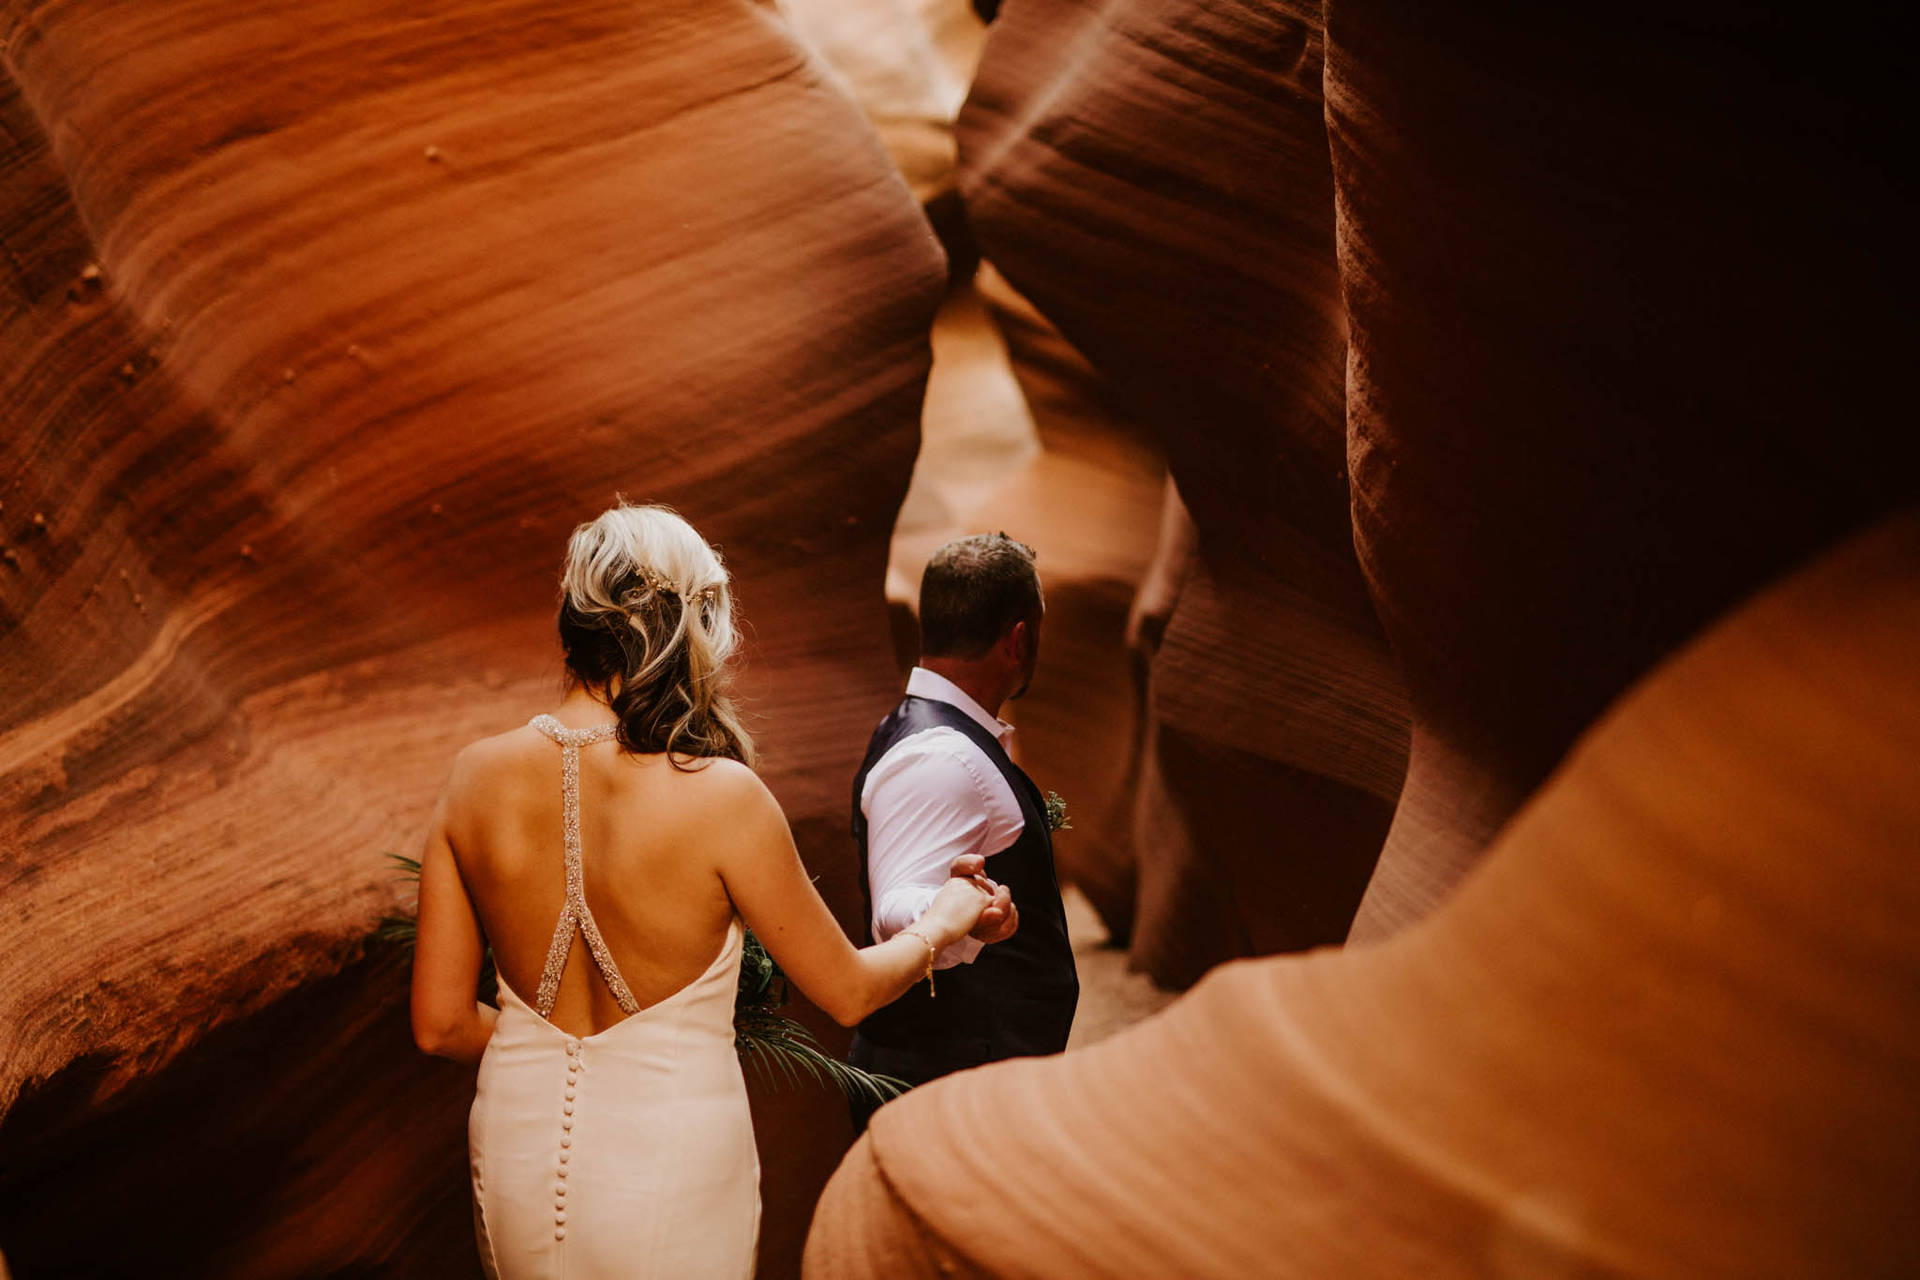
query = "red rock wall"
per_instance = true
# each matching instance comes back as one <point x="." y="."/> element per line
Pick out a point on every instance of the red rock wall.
<point x="1665" y="1029"/>
<point x="1623" y="303"/>
<point x="320" y="327"/>
<point x="1156" y="179"/>
<point x="1626" y="303"/>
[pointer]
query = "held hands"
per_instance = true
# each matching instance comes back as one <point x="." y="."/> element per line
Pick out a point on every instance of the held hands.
<point x="984" y="908"/>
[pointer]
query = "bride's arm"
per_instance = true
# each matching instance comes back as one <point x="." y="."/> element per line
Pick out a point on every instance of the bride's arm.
<point x="447" y="953"/>
<point x="774" y="895"/>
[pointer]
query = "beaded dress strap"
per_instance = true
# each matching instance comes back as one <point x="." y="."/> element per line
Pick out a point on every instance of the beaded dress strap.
<point x="574" y="912"/>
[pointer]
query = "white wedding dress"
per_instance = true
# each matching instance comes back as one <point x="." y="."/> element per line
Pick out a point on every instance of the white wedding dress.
<point x="626" y="1153"/>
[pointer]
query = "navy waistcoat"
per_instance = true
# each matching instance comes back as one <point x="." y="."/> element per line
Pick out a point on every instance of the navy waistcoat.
<point x="1018" y="996"/>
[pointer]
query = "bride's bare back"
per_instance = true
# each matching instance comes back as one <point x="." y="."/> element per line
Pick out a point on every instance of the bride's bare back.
<point x="668" y="857"/>
<point x="649" y="875"/>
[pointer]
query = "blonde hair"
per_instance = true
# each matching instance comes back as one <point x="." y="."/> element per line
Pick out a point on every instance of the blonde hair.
<point x="646" y="617"/>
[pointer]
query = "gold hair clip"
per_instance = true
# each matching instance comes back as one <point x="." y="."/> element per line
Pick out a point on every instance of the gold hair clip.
<point x="655" y="582"/>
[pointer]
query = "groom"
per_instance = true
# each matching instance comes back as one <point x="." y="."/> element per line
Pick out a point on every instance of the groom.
<point x="937" y="785"/>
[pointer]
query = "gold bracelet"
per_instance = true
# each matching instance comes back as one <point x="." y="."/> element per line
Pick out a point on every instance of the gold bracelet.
<point x="932" y="951"/>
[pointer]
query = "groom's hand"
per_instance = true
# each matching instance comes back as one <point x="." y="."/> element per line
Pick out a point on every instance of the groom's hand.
<point x="1001" y="919"/>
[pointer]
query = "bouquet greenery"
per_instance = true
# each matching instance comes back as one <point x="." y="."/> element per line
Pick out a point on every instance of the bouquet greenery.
<point x="780" y="1050"/>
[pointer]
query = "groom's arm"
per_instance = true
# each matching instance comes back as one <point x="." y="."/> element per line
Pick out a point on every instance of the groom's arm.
<point x="927" y="803"/>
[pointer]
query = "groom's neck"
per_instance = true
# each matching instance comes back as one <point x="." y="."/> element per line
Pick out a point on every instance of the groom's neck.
<point x="985" y="683"/>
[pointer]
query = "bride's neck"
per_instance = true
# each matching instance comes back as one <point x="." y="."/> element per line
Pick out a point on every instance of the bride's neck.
<point x="583" y="708"/>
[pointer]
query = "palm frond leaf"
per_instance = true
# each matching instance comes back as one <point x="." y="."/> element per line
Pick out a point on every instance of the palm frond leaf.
<point x="399" y="928"/>
<point x="781" y="1051"/>
<point x="401" y="931"/>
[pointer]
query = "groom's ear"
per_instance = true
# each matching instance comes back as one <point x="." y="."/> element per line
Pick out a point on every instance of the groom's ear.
<point x="1014" y="646"/>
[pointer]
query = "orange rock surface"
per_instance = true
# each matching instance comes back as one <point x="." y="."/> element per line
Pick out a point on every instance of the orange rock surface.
<point x="1666" y="1029"/>
<point x="1622" y="313"/>
<point x="1156" y="179"/>
<point x="1495" y="356"/>
<point x="1624" y="306"/>
<point x="319" y="329"/>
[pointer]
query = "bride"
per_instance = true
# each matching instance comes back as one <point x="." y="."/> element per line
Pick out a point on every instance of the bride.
<point x="608" y="853"/>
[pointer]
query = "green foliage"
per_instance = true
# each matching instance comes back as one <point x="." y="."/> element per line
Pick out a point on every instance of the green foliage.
<point x="400" y="931"/>
<point x="1057" y="819"/>
<point x="780" y="1050"/>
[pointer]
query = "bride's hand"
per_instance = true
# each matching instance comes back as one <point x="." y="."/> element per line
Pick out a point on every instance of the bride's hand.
<point x="999" y="918"/>
<point x="962" y="900"/>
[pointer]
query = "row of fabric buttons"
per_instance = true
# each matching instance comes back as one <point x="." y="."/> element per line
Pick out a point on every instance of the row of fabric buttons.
<point x="566" y="1141"/>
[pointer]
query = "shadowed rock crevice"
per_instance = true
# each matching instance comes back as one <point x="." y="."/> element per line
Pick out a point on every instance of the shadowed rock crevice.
<point x="1158" y="182"/>
<point x="1601" y="388"/>
<point x="260" y="1150"/>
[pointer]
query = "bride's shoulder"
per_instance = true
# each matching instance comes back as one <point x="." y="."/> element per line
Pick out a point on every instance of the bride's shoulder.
<point x="717" y="777"/>
<point x="487" y="759"/>
<point x="723" y="789"/>
<point x="728" y="807"/>
<point x="513" y="744"/>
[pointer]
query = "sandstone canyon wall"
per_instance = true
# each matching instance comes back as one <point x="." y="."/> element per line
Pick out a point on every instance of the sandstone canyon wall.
<point x="321" y="325"/>
<point x="1623" y="306"/>
<point x="1493" y="356"/>
<point x="1594" y="282"/>
<point x="1156" y="179"/>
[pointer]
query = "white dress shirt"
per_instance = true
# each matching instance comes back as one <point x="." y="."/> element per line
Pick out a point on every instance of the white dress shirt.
<point x="934" y="797"/>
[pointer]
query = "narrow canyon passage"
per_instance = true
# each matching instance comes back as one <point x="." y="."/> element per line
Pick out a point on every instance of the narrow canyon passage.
<point x="1467" y="461"/>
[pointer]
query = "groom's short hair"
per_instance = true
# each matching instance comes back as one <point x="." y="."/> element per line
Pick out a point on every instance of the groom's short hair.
<point x="973" y="590"/>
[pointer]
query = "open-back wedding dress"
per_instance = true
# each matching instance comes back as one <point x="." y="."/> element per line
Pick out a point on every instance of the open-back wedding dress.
<point x="625" y="1153"/>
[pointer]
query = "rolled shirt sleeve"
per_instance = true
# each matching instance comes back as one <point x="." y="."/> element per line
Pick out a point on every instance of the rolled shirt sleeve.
<point x="933" y="798"/>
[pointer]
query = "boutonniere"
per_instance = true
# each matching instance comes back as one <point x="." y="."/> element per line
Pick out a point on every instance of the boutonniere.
<point x="1057" y="819"/>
